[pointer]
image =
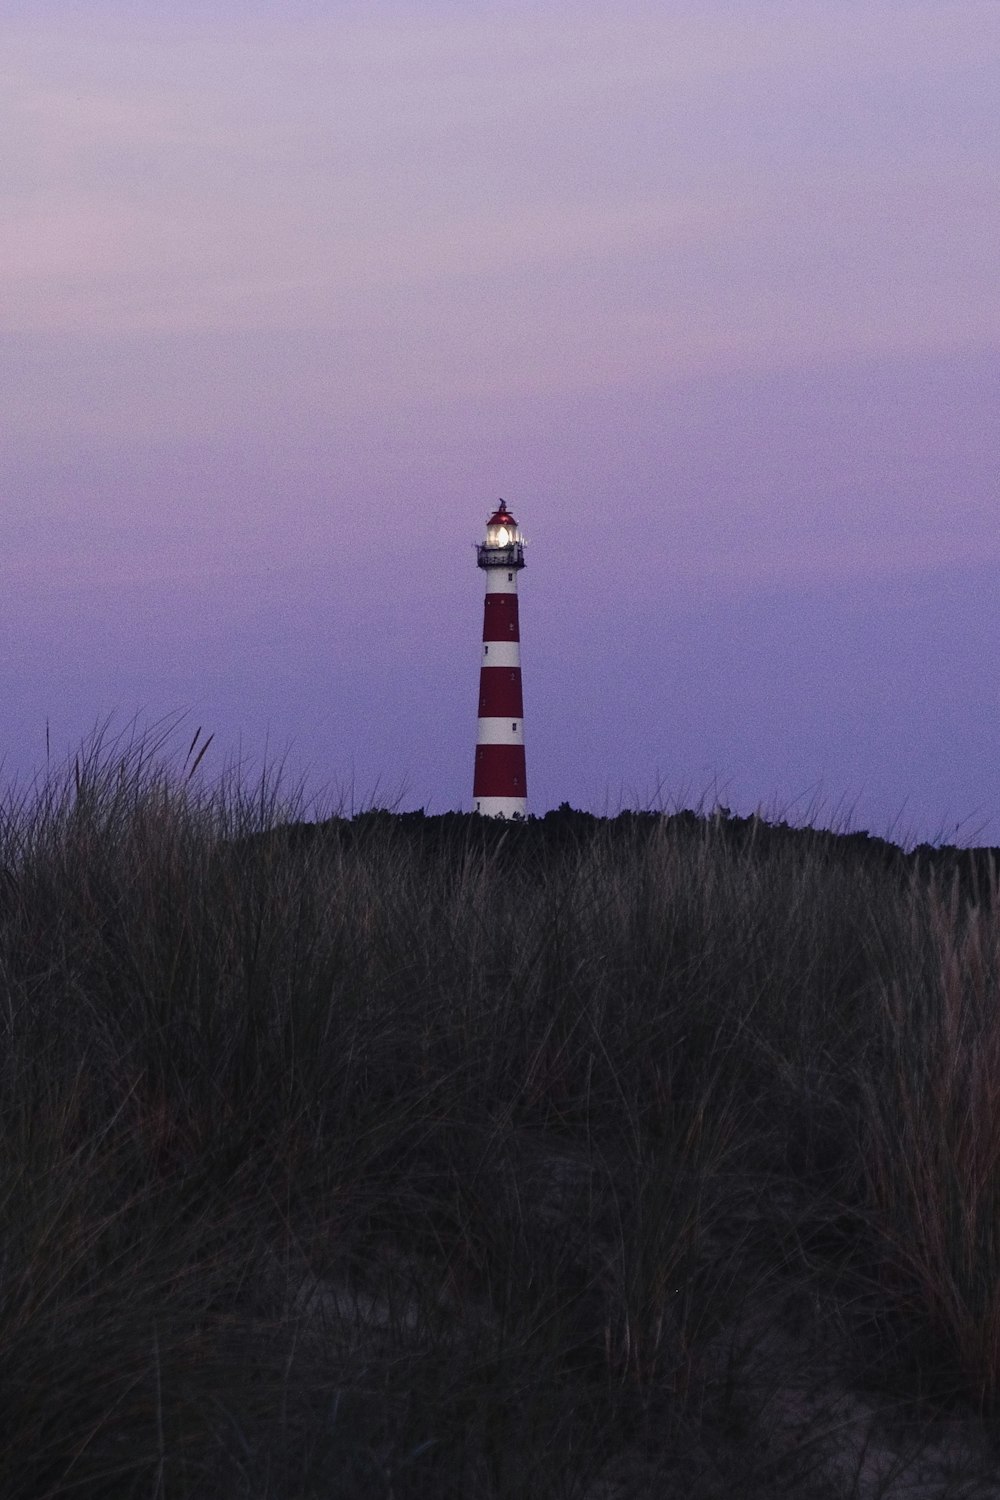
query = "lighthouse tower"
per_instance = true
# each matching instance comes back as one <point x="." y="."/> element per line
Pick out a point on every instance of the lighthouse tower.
<point x="500" y="789"/>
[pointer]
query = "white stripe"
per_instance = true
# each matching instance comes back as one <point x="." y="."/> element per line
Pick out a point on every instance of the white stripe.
<point x="501" y="580"/>
<point x="501" y="654"/>
<point x="500" y="732"/>
<point x="502" y="807"/>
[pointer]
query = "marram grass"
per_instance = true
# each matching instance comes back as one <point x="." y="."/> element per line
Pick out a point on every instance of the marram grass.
<point x="422" y="1157"/>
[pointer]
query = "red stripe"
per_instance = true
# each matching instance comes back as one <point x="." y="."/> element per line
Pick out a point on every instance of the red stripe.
<point x="500" y="693"/>
<point x="500" y="618"/>
<point x="500" y="771"/>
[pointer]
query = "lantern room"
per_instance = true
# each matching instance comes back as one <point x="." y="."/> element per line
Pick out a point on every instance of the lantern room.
<point x="504" y="544"/>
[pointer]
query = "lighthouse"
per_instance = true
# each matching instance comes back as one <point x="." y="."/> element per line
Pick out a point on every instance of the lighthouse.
<point x="500" y="788"/>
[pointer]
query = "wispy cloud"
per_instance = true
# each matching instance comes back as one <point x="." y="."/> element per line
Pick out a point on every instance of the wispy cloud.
<point x="183" y="176"/>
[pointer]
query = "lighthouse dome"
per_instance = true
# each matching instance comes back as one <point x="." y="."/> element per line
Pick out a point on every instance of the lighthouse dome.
<point x="502" y="517"/>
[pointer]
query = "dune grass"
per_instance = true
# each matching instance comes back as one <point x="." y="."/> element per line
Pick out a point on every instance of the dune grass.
<point x="403" y="1157"/>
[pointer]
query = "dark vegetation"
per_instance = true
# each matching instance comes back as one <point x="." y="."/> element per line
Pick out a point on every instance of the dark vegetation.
<point x="402" y="1156"/>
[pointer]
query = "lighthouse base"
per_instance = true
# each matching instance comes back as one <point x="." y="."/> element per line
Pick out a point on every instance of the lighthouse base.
<point x="502" y="807"/>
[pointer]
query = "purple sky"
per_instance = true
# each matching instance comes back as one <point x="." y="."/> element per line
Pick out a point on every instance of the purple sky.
<point x="708" y="292"/>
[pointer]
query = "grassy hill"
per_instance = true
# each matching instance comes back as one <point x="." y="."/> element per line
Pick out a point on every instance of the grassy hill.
<point x="402" y="1156"/>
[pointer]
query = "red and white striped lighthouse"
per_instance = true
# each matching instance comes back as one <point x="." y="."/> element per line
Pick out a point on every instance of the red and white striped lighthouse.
<point x="500" y="789"/>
